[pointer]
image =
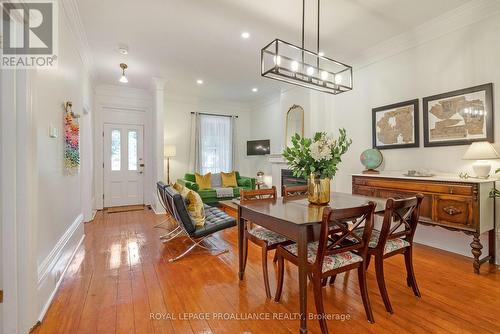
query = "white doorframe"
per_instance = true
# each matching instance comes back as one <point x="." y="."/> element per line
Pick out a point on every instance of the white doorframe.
<point x="127" y="106"/>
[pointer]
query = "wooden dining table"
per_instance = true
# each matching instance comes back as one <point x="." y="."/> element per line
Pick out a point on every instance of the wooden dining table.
<point x="298" y="221"/>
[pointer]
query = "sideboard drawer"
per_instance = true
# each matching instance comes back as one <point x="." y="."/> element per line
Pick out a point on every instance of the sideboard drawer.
<point x="416" y="186"/>
<point x="365" y="191"/>
<point x="453" y="211"/>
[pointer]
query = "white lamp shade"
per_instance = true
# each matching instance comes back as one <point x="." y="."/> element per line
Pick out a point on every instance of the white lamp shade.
<point x="481" y="150"/>
<point x="170" y="151"/>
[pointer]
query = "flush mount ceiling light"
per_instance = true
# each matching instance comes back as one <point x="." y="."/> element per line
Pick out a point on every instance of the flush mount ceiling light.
<point x="199" y="82"/>
<point x="255" y="89"/>
<point x="245" y="35"/>
<point x="123" y="78"/>
<point x="123" y="49"/>
<point x="295" y="65"/>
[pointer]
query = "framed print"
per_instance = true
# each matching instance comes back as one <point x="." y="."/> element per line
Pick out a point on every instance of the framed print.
<point x="459" y="117"/>
<point x="395" y="125"/>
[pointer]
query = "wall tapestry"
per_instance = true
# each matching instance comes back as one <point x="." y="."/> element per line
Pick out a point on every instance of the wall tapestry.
<point x="395" y="125"/>
<point x="71" y="139"/>
<point x="459" y="117"/>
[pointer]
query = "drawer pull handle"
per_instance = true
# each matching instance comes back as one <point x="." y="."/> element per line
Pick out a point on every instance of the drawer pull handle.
<point x="451" y="210"/>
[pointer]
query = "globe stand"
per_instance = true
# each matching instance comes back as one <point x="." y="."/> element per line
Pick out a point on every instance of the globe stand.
<point x="371" y="171"/>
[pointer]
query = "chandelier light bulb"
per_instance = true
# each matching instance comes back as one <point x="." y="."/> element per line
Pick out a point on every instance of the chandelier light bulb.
<point x="310" y="71"/>
<point x="123" y="78"/>
<point x="338" y="79"/>
<point x="277" y="60"/>
<point x="294" y="66"/>
<point x="324" y="75"/>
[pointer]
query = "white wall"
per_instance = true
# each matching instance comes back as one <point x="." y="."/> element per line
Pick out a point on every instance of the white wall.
<point x="45" y="212"/>
<point x="59" y="205"/>
<point x="463" y="58"/>
<point x="178" y="131"/>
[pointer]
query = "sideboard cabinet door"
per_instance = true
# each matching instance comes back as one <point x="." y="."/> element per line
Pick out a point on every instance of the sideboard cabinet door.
<point x="454" y="211"/>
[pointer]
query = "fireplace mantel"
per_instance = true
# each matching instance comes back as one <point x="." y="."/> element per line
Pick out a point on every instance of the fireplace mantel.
<point x="277" y="164"/>
<point x="277" y="158"/>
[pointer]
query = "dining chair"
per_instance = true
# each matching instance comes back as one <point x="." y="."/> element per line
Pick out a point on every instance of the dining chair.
<point x="395" y="237"/>
<point x="292" y="191"/>
<point x="266" y="239"/>
<point x="339" y="249"/>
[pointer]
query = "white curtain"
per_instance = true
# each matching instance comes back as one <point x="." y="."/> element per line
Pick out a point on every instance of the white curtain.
<point x="214" y="143"/>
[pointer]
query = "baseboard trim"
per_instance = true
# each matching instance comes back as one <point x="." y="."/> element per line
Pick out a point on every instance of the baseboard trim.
<point x="49" y="262"/>
<point x="52" y="295"/>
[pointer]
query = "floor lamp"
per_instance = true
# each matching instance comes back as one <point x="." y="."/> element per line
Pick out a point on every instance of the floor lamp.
<point x="170" y="152"/>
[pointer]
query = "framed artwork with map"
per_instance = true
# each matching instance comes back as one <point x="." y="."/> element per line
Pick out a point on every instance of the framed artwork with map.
<point x="459" y="117"/>
<point x="395" y="125"/>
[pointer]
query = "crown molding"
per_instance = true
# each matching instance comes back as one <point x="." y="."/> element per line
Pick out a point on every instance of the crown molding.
<point x="72" y="13"/>
<point x="460" y="17"/>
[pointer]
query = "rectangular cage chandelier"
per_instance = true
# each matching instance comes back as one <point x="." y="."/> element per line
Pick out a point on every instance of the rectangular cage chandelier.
<point x="296" y="65"/>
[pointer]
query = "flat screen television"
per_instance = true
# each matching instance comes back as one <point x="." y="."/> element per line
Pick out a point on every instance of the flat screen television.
<point x="258" y="147"/>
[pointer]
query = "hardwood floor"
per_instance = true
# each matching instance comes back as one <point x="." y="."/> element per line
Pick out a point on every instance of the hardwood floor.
<point x="121" y="277"/>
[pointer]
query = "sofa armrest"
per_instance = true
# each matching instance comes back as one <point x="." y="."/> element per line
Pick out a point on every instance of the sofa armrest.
<point x="246" y="182"/>
<point x="189" y="184"/>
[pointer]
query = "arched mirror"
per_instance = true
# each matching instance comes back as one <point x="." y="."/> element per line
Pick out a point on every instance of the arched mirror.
<point x="294" y="123"/>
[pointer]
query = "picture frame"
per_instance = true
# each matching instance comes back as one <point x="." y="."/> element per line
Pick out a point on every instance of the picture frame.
<point x="396" y="125"/>
<point x="459" y="117"/>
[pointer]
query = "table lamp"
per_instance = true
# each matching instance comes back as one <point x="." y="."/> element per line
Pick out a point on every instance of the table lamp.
<point x="170" y="152"/>
<point x="481" y="151"/>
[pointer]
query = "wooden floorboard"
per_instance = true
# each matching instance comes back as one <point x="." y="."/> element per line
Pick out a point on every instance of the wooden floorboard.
<point x="120" y="281"/>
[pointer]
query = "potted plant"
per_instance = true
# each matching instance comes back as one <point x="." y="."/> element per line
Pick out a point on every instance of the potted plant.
<point x="317" y="159"/>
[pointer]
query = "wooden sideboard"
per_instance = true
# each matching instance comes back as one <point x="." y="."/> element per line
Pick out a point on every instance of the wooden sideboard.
<point x="449" y="202"/>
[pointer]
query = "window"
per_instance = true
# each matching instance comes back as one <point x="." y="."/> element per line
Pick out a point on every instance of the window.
<point x="216" y="144"/>
<point x="115" y="150"/>
<point x="132" y="150"/>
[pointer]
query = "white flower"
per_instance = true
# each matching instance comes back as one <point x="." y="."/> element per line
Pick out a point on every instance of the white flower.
<point x="320" y="151"/>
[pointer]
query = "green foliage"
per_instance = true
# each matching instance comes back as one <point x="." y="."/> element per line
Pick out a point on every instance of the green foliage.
<point x="494" y="192"/>
<point x="320" y="155"/>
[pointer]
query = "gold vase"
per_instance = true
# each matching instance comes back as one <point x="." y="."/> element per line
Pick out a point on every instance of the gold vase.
<point x="318" y="190"/>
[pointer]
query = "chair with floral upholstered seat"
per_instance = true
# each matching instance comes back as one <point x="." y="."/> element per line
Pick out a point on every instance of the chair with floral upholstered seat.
<point x="338" y="250"/>
<point x="395" y="237"/>
<point x="266" y="239"/>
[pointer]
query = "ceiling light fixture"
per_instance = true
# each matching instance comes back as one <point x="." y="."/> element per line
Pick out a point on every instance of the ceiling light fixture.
<point x="296" y="65"/>
<point x="245" y="35"/>
<point x="199" y="82"/>
<point x="123" y="50"/>
<point x="255" y="90"/>
<point x="123" y="78"/>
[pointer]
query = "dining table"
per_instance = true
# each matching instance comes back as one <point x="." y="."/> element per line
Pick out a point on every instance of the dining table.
<point x="298" y="221"/>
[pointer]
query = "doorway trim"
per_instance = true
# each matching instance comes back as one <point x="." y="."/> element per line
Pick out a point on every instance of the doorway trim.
<point x="115" y="104"/>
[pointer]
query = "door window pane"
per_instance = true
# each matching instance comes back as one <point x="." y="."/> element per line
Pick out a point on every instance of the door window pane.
<point x="132" y="150"/>
<point x="115" y="150"/>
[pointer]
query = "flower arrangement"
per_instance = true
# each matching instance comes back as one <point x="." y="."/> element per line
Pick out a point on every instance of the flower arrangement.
<point x="319" y="155"/>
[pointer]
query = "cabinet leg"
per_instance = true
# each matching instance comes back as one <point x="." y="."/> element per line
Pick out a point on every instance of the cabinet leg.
<point x="476" y="251"/>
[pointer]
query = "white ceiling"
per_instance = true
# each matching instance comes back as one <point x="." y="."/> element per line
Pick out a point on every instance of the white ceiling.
<point x="183" y="40"/>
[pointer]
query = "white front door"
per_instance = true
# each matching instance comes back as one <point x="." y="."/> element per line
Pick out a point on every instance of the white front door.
<point x="123" y="165"/>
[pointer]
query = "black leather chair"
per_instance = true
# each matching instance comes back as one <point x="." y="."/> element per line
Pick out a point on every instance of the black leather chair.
<point x="162" y="197"/>
<point x="215" y="220"/>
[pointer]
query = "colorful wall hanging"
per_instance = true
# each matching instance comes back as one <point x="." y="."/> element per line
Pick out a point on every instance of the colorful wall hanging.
<point x="71" y="139"/>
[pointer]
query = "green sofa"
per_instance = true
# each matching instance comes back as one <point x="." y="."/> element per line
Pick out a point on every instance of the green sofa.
<point x="209" y="195"/>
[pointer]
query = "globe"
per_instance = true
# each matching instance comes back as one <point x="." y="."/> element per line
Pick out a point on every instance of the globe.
<point x="371" y="158"/>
